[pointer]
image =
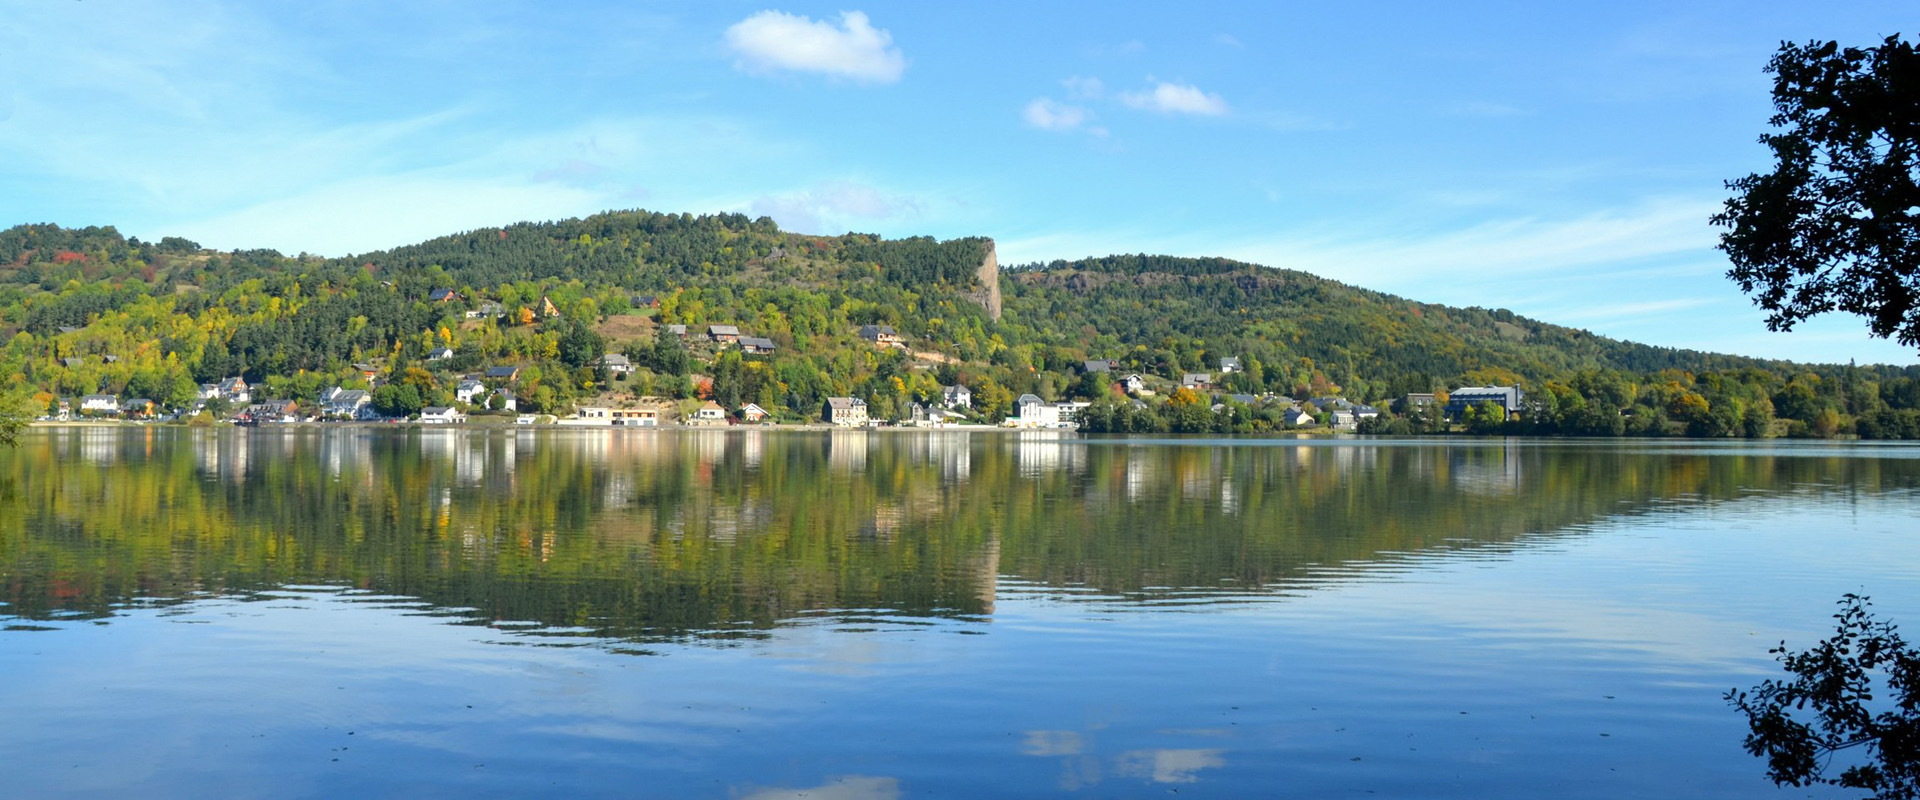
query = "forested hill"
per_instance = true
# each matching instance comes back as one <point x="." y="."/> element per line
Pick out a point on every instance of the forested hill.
<point x="1357" y="338"/>
<point x="87" y="310"/>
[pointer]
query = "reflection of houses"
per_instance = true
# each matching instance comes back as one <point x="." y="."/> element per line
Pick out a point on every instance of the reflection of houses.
<point x="847" y="411"/>
<point x="847" y="451"/>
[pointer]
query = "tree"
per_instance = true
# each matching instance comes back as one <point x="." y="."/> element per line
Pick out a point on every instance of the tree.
<point x="1829" y="707"/>
<point x="1836" y="225"/>
<point x="14" y="414"/>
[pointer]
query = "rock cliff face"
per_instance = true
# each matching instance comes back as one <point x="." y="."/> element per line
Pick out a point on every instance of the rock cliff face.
<point x="989" y="276"/>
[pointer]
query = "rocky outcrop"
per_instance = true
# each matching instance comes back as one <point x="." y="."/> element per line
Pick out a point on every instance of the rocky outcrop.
<point x="989" y="277"/>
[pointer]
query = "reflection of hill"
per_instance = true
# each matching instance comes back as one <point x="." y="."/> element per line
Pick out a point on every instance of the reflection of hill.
<point x="644" y="534"/>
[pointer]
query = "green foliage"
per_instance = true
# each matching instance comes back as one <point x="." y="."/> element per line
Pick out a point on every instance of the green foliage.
<point x="1831" y="707"/>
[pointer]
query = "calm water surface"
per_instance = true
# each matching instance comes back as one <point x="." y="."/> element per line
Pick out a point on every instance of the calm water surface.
<point x="744" y="614"/>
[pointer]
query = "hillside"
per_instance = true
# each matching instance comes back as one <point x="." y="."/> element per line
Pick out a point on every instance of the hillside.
<point x="88" y="310"/>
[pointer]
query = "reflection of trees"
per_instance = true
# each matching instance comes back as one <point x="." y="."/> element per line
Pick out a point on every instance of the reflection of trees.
<point x="638" y="534"/>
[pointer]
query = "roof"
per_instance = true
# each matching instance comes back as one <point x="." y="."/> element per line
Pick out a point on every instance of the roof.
<point x="711" y="406"/>
<point x="757" y="341"/>
<point x="436" y="410"/>
<point x="502" y="372"/>
<point x="1028" y="398"/>
<point x="615" y="360"/>
<point x="956" y="389"/>
<point x="1098" y="365"/>
<point x="72" y="362"/>
<point x="98" y="397"/>
<point x="349" y="396"/>
<point x="1229" y="361"/>
<point x="441" y="294"/>
<point x="1243" y="399"/>
<point x="1196" y="377"/>
<point x="677" y="329"/>
<point x="723" y="330"/>
<point x="469" y="383"/>
<point x="845" y="402"/>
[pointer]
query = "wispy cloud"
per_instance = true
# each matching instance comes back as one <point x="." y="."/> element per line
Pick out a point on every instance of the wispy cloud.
<point x="1481" y="108"/>
<point x="1047" y="114"/>
<point x="772" y="41"/>
<point x="1229" y="40"/>
<point x="1175" y="98"/>
<point x="1084" y="88"/>
<point x="834" y="207"/>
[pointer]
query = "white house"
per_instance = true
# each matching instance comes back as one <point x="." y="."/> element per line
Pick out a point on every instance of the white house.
<point x="508" y="402"/>
<point x="752" y="412"/>
<point x="1229" y="365"/>
<point x="236" y="391"/>
<point x="1033" y="412"/>
<point x="100" y="403"/>
<point x="440" y="354"/>
<point x="710" y="413"/>
<point x="469" y="390"/>
<point x="441" y="415"/>
<point x="346" y="403"/>
<point x="1298" y="417"/>
<point x="616" y="364"/>
<point x="1134" y="384"/>
<point x="956" y="396"/>
<point x="847" y="411"/>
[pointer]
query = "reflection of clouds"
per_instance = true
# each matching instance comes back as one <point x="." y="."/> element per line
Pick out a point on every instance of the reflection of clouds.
<point x="1053" y="743"/>
<point x="846" y="787"/>
<point x="1167" y="766"/>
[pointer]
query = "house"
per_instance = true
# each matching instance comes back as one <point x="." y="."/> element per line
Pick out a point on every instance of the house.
<point x="1364" y="411"/>
<point x="486" y="310"/>
<point x="932" y="416"/>
<point x="847" y="411"/>
<point x="468" y="390"/>
<point x="64" y="411"/>
<point x="1034" y="412"/>
<point x="956" y="396"/>
<point x="208" y="391"/>
<point x="503" y="373"/>
<point x="268" y="411"/>
<point x="678" y="330"/>
<point x="236" y="391"/>
<point x="634" y="417"/>
<point x="1506" y="397"/>
<point x="1099" y="365"/>
<point x="346" y="403"/>
<point x="1134" y="384"/>
<point x="724" y="334"/>
<point x="110" y="358"/>
<point x="1415" y="401"/>
<point x="616" y="364"/>
<point x="1243" y="399"/>
<point x="443" y="296"/>
<point x="644" y="301"/>
<point x="1229" y="365"/>
<point x="1199" y="381"/>
<point x="593" y="414"/>
<point x="1331" y="403"/>
<point x="881" y="334"/>
<point x="1298" y="418"/>
<point x="756" y="345"/>
<point x="138" y="408"/>
<point x="508" y="402"/>
<point x="441" y="415"/>
<point x="368" y="371"/>
<point x="709" y="413"/>
<point x="1342" y="419"/>
<point x="440" y="354"/>
<point x="752" y="412"/>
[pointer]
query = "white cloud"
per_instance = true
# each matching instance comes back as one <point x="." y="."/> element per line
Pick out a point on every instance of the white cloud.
<point x="1046" y="114"/>
<point x="1229" y="40"/>
<point x="834" y="207"/>
<point x="1082" y="87"/>
<point x="1176" y="98"/>
<point x="772" y="41"/>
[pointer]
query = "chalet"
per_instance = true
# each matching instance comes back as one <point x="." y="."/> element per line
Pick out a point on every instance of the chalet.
<point x="710" y="413"/>
<point x="346" y="403"/>
<point x="1200" y="381"/>
<point x="956" y="396"/>
<point x="508" y="402"/>
<point x="1298" y="418"/>
<point x="752" y="412"/>
<point x="1506" y="397"/>
<point x="616" y="364"/>
<point x="1134" y="384"/>
<point x="64" y="411"/>
<point x="468" y="390"/>
<point x="72" y="362"/>
<point x="487" y="309"/>
<point x="881" y="334"/>
<point x="1342" y="419"/>
<point x="644" y="301"/>
<point x="1099" y="365"/>
<point x="441" y="415"/>
<point x="235" y="390"/>
<point x="138" y="408"/>
<point x="847" y="411"/>
<point x="440" y="354"/>
<point x="270" y="411"/>
<point x="634" y="417"/>
<point x="678" y="330"/>
<point x="443" y="296"/>
<point x="208" y="391"/>
<point x="1229" y="365"/>
<point x="724" y="334"/>
<point x="508" y="373"/>
<point x="756" y="345"/>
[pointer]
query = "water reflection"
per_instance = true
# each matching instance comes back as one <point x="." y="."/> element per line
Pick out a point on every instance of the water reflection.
<point x="647" y="535"/>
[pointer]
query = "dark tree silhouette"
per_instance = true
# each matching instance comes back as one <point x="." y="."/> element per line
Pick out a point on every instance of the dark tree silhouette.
<point x="1834" y="704"/>
<point x="1836" y="225"/>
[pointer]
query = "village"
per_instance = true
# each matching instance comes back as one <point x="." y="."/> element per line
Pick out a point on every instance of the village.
<point x="487" y="396"/>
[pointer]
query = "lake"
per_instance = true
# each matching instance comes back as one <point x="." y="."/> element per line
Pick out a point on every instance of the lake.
<point x="852" y="615"/>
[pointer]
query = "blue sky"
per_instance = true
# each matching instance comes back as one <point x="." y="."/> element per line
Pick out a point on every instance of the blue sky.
<point x="1556" y="160"/>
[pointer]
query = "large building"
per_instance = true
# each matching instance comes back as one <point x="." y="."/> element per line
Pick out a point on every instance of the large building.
<point x="1506" y="397"/>
<point x="848" y="411"/>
